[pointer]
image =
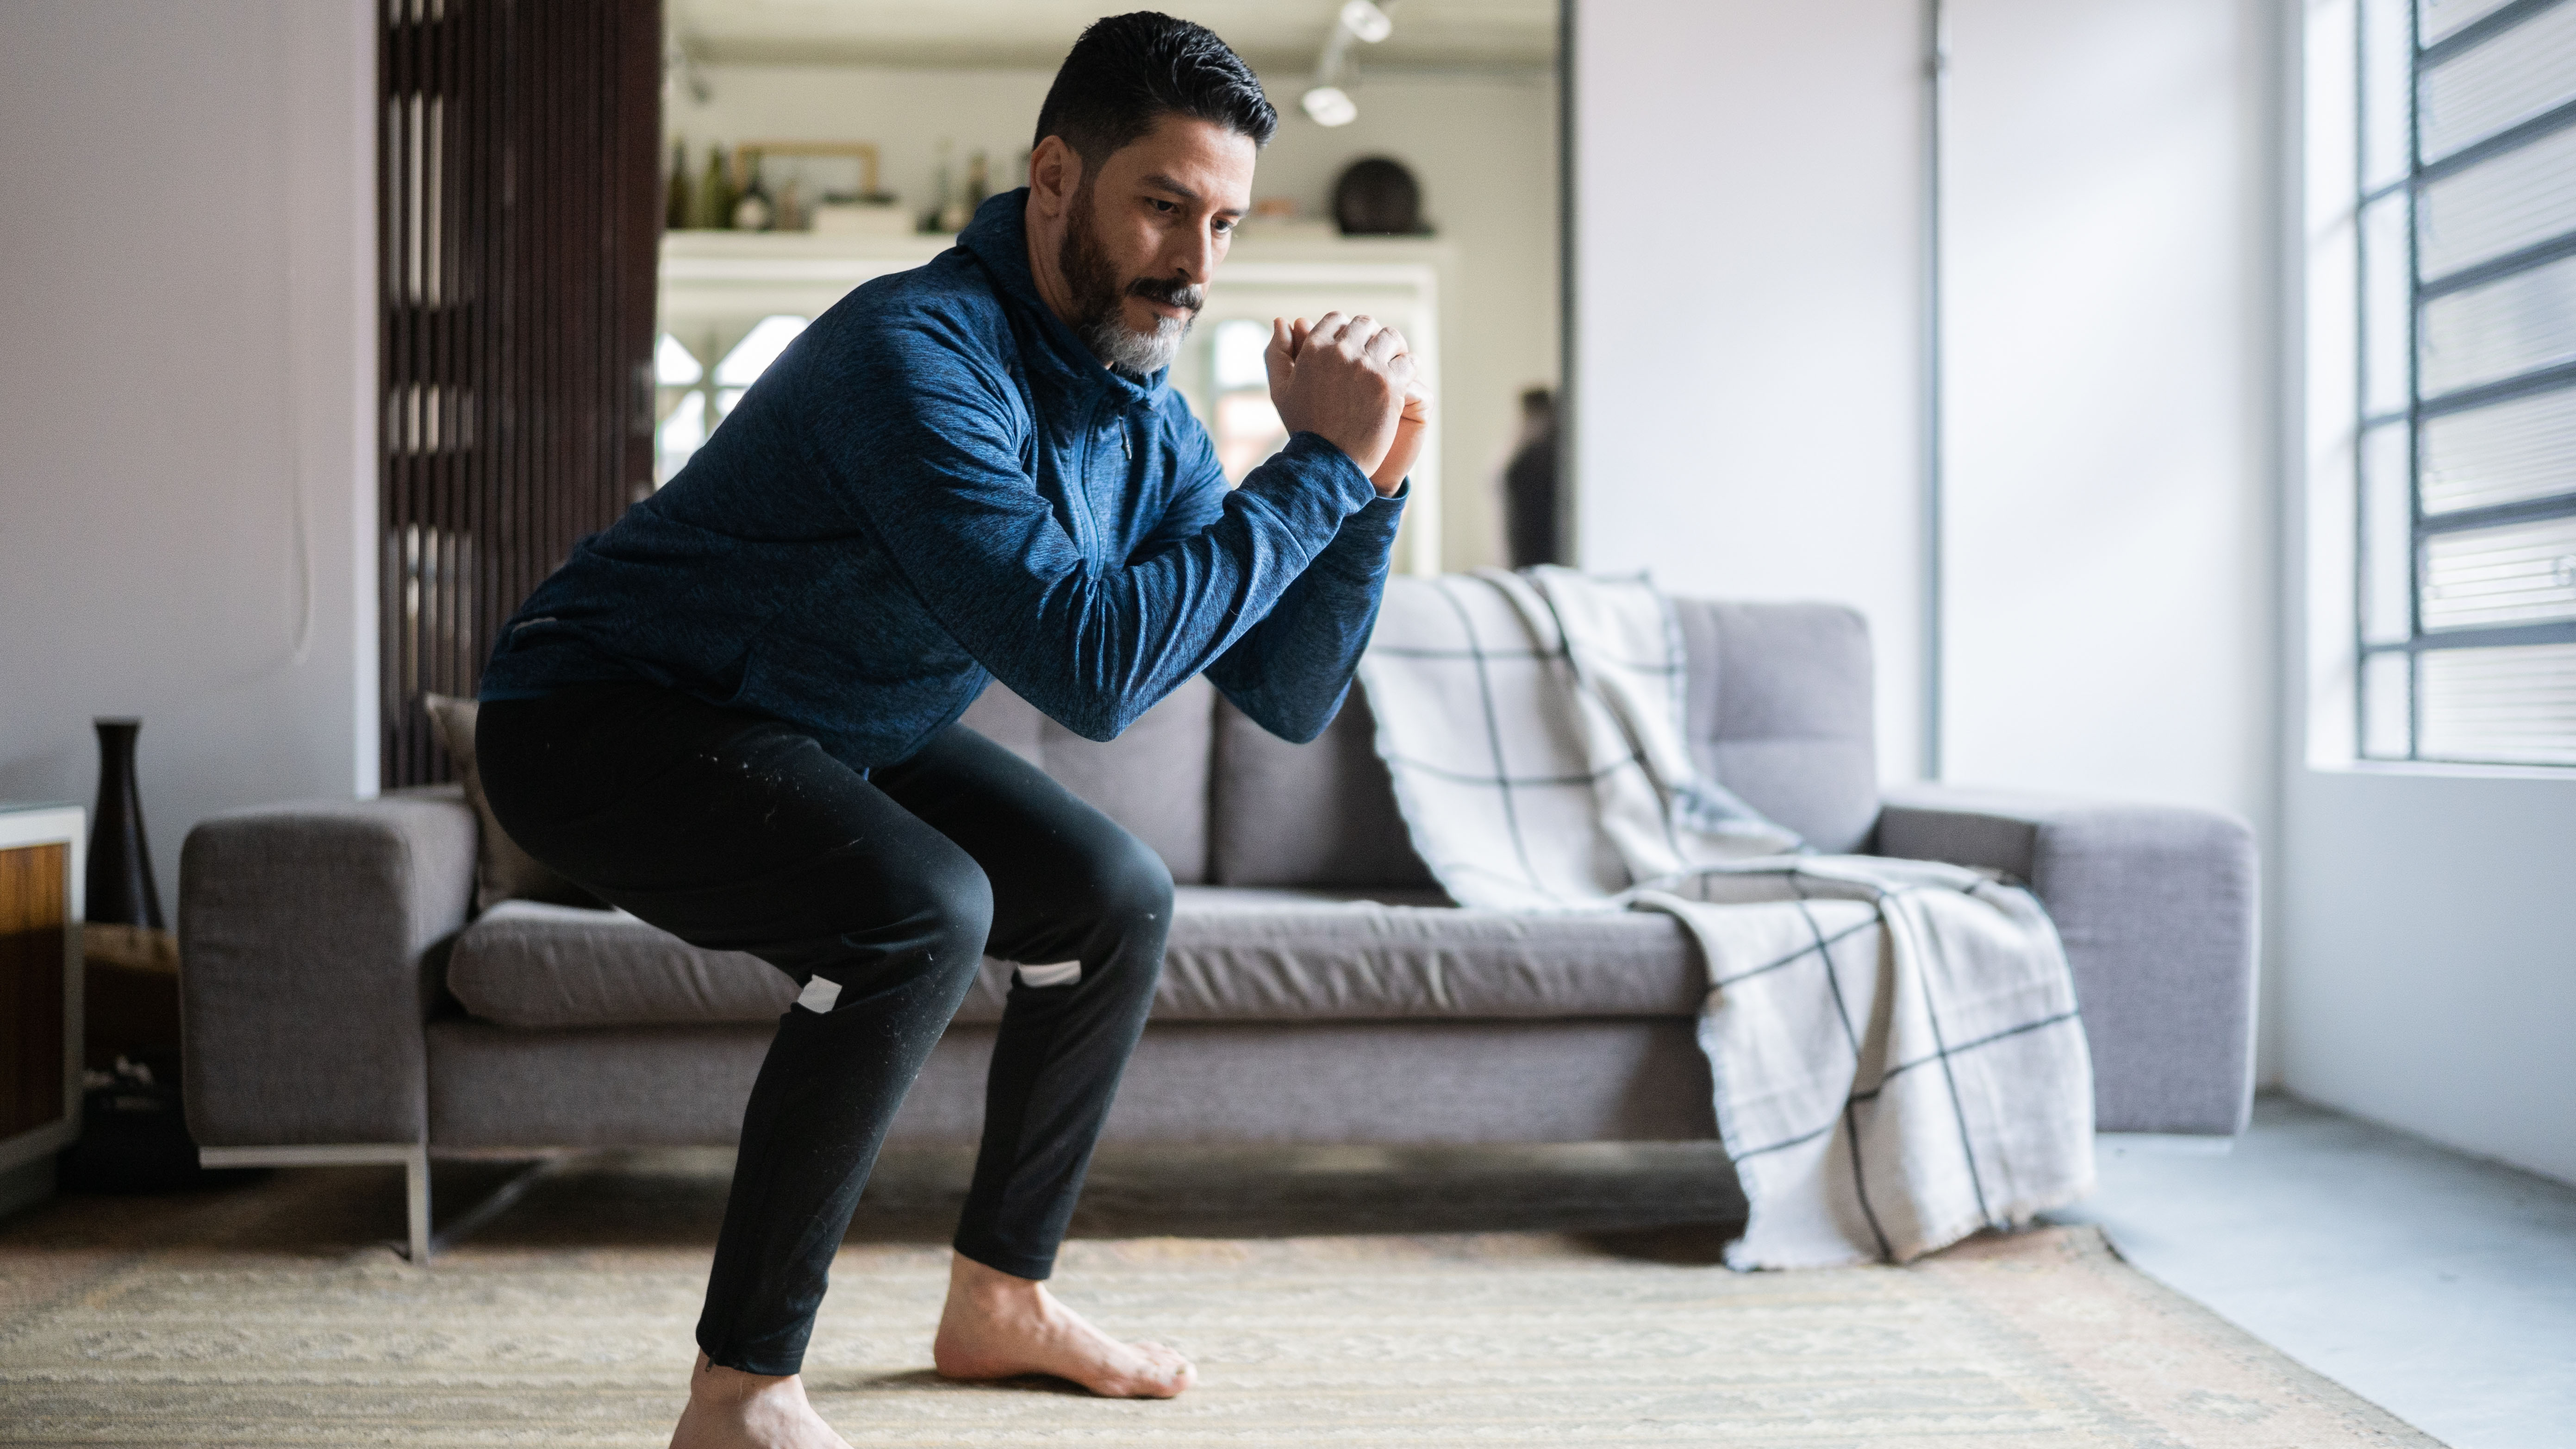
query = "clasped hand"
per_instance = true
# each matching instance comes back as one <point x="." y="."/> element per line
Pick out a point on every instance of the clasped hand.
<point x="1351" y="381"/>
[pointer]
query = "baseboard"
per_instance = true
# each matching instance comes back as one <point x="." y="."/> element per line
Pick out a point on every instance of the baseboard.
<point x="2164" y="1144"/>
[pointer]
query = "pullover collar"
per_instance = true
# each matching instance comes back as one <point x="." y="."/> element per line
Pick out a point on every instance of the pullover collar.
<point x="998" y="238"/>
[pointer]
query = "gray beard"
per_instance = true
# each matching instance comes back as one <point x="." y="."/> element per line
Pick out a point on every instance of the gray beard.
<point x="1138" y="354"/>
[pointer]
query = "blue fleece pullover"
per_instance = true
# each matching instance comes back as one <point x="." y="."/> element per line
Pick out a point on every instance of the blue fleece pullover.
<point x="937" y="483"/>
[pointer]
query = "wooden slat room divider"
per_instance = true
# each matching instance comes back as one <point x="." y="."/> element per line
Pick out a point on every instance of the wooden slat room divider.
<point x="520" y="194"/>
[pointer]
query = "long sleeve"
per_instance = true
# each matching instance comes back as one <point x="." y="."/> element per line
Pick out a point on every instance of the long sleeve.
<point x="933" y="469"/>
<point x="1290" y="671"/>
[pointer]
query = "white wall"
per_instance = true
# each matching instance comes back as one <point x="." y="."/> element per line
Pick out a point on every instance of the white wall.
<point x="186" y="457"/>
<point x="2429" y="979"/>
<point x="1747" y="310"/>
<point x="2111" y="326"/>
<point x="2429" y="973"/>
<point x="1483" y="146"/>
<point x="1750" y="344"/>
<point x="2111" y="186"/>
<point x="1749" y="294"/>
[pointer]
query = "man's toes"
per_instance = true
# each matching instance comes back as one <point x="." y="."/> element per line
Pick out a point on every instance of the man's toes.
<point x="1165" y="1372"/>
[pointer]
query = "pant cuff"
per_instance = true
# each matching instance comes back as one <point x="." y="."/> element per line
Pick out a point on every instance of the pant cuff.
<point x="770" y="1365"/>
<point x="1003" y="1260"/>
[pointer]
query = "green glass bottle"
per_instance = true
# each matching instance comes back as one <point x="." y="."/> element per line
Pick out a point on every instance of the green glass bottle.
<point x="715" y="194"/>
<point x="677" y="214"/>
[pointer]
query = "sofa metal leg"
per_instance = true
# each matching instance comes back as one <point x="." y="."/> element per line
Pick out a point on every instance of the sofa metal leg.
<point x="494" y="1203"/>
<point x="416" y="1206"/>
<point x="413" y="1156"/>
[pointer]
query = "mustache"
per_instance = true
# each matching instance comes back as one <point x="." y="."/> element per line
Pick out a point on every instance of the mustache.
<point x="1168" y="292"/>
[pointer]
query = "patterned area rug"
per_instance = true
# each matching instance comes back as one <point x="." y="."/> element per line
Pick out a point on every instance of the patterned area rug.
<point x="270" y="1315"/>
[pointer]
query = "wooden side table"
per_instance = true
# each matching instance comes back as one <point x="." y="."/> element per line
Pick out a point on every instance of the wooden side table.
<point x="41" y="854"/>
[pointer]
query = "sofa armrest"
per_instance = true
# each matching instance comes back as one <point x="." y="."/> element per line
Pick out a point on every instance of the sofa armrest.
<point x="2156" y="905"/>
<point x="306" y="937"/>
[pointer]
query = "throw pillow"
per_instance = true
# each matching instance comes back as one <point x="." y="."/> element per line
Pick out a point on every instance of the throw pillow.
<point x="502" y="871"/>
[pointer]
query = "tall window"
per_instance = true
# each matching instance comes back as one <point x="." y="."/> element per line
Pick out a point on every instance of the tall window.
<point x="2466" y="586"/>
<point x="692" y="397"/>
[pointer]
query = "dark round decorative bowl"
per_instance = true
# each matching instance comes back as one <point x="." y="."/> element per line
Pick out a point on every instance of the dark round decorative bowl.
<point x="1377" y="196"/>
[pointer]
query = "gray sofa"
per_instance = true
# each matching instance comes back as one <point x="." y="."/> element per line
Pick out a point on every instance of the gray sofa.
<point x="343" y="1004"/>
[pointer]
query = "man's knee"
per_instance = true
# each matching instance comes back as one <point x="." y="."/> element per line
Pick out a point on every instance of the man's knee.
<point x="1110" y="905"/>
<point x="957" y="918"/>
<point x="924" y="923"/>
<point x="1132" y="885"/>
<point x="1131" y="903"/>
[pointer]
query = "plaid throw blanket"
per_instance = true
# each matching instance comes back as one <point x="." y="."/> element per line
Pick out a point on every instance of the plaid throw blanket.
<point x="1895" y="1046"/>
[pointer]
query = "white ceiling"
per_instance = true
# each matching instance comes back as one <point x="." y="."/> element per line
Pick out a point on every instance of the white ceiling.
<point x="1278" y="36"/>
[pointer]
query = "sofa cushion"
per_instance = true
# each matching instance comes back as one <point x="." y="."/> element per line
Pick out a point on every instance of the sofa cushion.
<point x="523" y="963"/>
<point x="1779" y="711"/>
<point x="1320" y="814"/>
<point x="1284" y="955"/>
<point x="1153" y="779"/>
<point x="1235" y="955"/>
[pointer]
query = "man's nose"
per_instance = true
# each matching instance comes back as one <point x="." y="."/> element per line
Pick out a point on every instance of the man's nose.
<point x="1193" y="256"/>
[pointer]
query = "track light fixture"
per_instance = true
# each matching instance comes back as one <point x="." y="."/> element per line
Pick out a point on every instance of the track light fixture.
<point x="1325" y="102"/>
<point x="1329" y="106"/>
<point x="1365" y="21"/>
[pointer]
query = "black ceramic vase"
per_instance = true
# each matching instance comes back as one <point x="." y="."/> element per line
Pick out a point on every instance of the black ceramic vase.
<point x="121" y="889"/>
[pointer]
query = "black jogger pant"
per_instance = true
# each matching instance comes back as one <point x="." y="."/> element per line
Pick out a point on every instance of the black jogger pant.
<point x="880" y="895"/>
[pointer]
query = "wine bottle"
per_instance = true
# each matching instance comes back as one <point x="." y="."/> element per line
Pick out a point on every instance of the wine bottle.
<point x="955" y="209"/>
<point x="936" y="218"/>
<point x="715" y="194"/>
<point x="677" y="214"/>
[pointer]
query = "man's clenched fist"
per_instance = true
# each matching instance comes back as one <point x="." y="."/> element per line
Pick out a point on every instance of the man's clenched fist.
<point x="1352" y="381"/>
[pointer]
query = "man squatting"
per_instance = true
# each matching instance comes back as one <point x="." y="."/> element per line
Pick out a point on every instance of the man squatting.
<point x="734" y="713"/>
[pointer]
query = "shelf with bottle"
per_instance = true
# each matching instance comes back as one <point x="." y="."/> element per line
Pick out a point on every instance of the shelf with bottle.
<point x="781" y="186"/>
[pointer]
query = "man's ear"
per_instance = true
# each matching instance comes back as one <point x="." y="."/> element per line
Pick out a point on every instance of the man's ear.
<point x="1055" y="170"/>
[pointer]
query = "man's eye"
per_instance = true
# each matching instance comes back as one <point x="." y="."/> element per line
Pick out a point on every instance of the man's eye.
<point x="1159" y="204"/>
<point x="1225" y="228"/>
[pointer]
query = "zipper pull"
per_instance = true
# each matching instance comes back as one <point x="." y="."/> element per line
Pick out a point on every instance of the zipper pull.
<point x="1125" y="443"/>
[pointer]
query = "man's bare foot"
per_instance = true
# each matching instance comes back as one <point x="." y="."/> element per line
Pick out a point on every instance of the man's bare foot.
<point x="730" y="1409"/>
<point x="996" y="1326"/>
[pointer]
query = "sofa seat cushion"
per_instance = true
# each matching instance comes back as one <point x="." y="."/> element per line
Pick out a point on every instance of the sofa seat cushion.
<point x="523" y="963"/>
<point x="1235" y="955"/>
<point x="1284" y="955"/>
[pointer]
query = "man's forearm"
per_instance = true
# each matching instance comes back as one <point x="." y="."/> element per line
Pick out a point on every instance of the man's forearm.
<point x="1290" y="671"/>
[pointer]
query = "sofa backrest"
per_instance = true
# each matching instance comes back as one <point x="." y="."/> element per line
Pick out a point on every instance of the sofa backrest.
<point x="1779" y="710"/>
<point x="1153" y="779"/>
<point x="1320" y="814"/>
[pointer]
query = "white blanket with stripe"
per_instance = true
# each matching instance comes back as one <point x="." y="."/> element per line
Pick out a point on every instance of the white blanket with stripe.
<point x="1895" y="1047"/>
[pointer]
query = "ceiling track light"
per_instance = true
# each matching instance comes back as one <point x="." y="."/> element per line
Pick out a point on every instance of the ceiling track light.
<point x="1329" y="106"/>
<point x="1325" y="102"/>
<point x="1365" y="21"/>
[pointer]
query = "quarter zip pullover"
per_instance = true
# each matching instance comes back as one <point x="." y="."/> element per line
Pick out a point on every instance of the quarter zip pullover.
<point x="914" y="499"/>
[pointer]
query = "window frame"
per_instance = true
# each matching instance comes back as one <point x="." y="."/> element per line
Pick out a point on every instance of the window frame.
<point x="2418" y="410"/>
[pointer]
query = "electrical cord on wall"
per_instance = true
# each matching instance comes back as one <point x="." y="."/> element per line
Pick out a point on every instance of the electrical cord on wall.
<point x="301" y="639"/>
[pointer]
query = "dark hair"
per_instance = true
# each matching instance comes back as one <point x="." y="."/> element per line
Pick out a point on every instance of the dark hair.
<point x="1127" y="72"/>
